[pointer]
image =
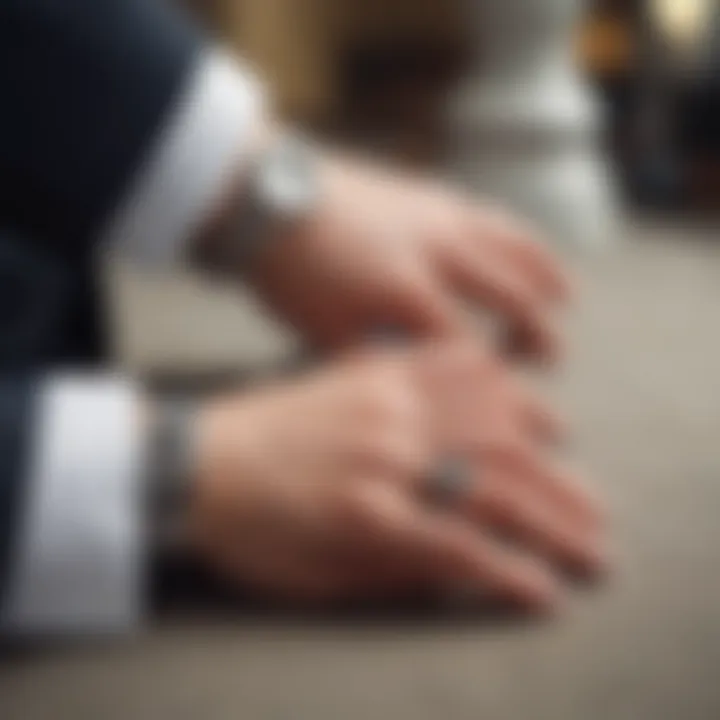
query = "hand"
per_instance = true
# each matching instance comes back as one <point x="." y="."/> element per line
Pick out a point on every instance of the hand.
<point x="384" y="250"/>
<point x="314" y="490"/>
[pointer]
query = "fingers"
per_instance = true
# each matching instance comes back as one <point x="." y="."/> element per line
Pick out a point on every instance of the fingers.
<point x="500" y="288"/>
<point x="421" y="307"/>
<point x="519" y="244"/>
<point x="520" y="510"/>
<point x="540" y="265"/>
<point x="543" y="422"/>
<point x="511" y="274"/>
<point x="470" y="389"/>
<point x="480" y="413"/>
<point x="445" y="552"/>
<point x="453" y="554"/>
<point x="558" y="483"/>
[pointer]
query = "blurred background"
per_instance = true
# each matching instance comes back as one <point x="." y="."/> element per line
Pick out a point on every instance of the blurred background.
<point x="379" y="72"/>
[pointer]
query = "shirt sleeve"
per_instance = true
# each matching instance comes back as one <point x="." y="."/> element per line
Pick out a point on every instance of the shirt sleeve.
<point x="191" y="163"/>
<point x="77" y="554"/>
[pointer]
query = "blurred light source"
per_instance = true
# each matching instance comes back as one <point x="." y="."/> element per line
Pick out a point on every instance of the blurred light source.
<point x="683" y="22"/>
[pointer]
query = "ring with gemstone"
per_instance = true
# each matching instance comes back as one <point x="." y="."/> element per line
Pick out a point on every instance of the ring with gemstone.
<point x="448" y="482"/>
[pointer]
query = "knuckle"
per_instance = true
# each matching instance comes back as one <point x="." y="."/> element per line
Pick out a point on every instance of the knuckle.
<point x="393" y="454"/>
<point x="354" y="509"/>
<point x="405" y="457"/>
<point x="504" y="450"/>
<point x="387" y="402"/>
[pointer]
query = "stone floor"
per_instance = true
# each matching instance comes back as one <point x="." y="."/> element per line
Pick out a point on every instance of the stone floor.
<point x="644" y="386"/>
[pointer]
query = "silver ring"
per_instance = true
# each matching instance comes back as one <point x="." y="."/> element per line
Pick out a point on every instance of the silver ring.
<point x="448" y="482"/>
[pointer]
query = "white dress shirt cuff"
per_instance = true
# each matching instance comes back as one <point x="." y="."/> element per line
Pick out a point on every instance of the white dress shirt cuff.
<point x="191" y="164"/>
<point x="78" y="565"/>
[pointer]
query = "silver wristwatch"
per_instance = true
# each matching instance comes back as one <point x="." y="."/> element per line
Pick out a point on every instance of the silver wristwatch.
<point x="281" y="189"/>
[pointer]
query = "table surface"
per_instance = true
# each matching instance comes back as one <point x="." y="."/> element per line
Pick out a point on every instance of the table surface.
<point x="644" y="387"/>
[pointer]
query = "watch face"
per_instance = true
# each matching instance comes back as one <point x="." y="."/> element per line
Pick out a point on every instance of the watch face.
<point x="289" y="183"/>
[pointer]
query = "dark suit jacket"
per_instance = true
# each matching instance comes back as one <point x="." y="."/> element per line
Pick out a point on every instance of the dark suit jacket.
<point x="84" y="87"/>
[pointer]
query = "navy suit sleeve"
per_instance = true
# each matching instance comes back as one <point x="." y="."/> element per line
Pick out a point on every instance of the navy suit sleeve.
<point x="17" y="405"/>
<point x="85" y="85"/>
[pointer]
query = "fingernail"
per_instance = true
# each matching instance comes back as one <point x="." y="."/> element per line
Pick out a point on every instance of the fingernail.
<point x="535" y="588"/>
<point x="549" y="598"/>
<point x="591" y="564"/>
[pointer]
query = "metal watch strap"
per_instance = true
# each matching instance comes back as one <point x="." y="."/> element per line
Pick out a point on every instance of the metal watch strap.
<point x="170" y="469"/>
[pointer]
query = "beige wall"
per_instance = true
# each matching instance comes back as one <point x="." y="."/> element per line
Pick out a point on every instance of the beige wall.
<point x="293" y="44"/>
<point x="298" y="43"/>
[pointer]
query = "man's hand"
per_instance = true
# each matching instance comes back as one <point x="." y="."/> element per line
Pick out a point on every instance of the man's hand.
<point x="317" y="490"/>
<point x="385" y="250"/>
